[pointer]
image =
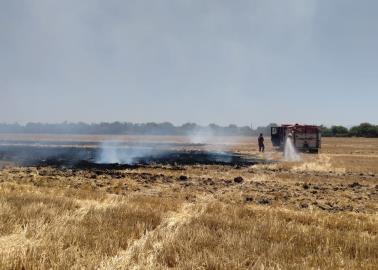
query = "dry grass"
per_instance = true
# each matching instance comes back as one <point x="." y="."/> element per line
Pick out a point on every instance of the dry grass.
<point x="320" y="213"/>
<point x="245" y="237"/>
<point x="43" y="231"/>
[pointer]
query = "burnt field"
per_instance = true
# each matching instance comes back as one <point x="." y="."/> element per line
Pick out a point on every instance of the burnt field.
<point x="65" y="155"/>
<point x="158" y="203"/>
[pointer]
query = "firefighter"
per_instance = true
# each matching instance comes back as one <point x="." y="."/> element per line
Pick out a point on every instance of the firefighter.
<point x="261" y="143"/>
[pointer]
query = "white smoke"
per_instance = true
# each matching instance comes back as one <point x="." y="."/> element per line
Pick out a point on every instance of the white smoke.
<point x="290" y="153"/>
<point x="218" y="146"/>
<point x="114" y="152"/>
<point x="211" y="138"/>
<point x="202" y="136"/>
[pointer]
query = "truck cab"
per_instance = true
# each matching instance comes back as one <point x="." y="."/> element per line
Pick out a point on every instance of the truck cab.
<point x="276" y="136"/>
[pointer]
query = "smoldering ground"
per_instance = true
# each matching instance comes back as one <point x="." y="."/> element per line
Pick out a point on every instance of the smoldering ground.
<point x="201" y="146"/>
<point x="115" y="154"/>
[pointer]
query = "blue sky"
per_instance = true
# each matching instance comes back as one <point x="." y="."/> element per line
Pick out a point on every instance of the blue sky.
<point x="205" y="61"/>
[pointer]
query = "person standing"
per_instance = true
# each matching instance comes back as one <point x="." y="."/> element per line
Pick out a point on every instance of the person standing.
<point x="261" y="143"/>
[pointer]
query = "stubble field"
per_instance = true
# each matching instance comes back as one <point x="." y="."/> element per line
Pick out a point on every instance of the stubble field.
<point x="320" y="213"/>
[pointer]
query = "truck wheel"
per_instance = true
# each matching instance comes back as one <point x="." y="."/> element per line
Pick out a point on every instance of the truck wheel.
<point x="314" y="151"/>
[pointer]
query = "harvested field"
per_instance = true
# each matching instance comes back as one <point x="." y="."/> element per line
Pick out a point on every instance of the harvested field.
<point x="188" y="208"/>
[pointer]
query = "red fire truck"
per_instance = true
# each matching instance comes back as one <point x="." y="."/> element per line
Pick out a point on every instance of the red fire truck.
<point x="304" y="137"/>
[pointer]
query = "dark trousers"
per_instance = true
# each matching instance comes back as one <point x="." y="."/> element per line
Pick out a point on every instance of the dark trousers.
<point x="261" y="148"/>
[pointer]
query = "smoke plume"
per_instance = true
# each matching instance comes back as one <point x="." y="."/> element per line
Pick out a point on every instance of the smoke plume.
<point x="114" y="152"/>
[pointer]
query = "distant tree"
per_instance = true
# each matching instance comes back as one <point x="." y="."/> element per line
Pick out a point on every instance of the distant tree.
<point x="187" y="128"/>
<point x="264" y="130"/>
<point x="232" y="130"/>
<point x="339" y="131"/>
<point x="364" y="130"/>
<point x="166" y="128"/>
<point x="246" y="131"/>
<point x="326" y="132"/>
<point x="215" y="129"/>
<point x="10" y="128"/>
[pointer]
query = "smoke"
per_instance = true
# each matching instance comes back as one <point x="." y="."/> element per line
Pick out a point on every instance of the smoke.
<point x="212" y="138"/>
<point x="201" y="136"/>
<point x="290" y="153"/>
<point x="112" y="152"/>
<point x="215" y="144"/>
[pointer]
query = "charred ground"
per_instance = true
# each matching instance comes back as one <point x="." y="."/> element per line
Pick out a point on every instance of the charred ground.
<point x="79" y="157"/>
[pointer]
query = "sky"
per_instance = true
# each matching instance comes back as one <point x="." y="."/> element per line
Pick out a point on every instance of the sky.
<point x="247" y="62"/>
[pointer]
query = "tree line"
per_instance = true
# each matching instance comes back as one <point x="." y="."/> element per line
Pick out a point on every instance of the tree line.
<point x="166" y="128"/>
<point x="126" y="128"/>
<point x="366" y="130"/>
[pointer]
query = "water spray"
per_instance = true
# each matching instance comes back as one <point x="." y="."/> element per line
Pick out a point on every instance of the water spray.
<point x="290" y="153"/>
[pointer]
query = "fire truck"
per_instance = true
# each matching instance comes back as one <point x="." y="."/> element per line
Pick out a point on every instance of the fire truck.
<point x="306" y="138"/>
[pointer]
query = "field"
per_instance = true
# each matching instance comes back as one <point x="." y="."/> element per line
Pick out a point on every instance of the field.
<point x="320" y="213"/>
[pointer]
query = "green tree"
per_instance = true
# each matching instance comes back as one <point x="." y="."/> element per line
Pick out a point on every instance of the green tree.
<point x="364" y="130"/>
<point x="339" y="131"/>
<point x="326" y="132"/>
